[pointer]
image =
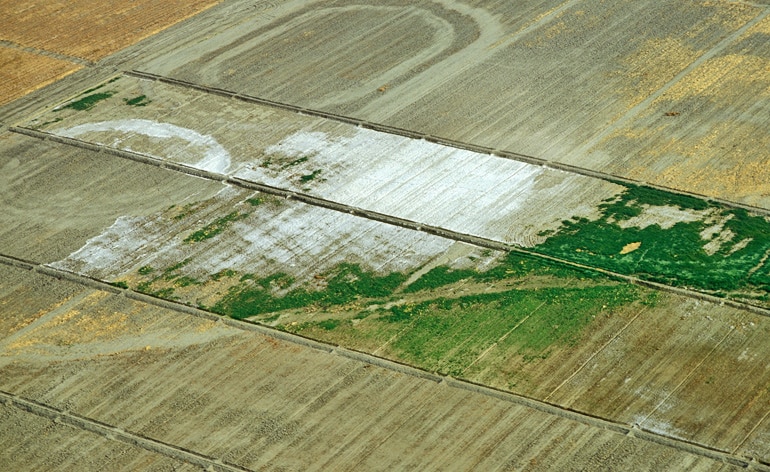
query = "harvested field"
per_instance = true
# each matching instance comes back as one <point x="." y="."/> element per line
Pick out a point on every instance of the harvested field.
<point x="32" y="442"/>
<point x="517" y="323"/>
<point x="22" y="72"/>
<point x="724" y="158"/>
<point x="578" y="82"/>
<point x="45" y="217"/>
<point x="267" y="409"/>
<point x="87" y="29"/>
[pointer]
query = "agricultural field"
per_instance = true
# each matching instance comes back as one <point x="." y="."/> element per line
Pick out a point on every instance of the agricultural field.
<point x="626" y="229"/>
<point x="511" y="320"/>
<point x="435" y="235"/>
<point x="583" y="83"/>
<point x="22" y="72"/>
<point x="167" y="373"/>
<point x="90" y="30"/>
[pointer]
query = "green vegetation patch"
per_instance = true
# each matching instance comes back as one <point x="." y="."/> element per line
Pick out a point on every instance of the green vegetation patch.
<point x="344" y="284"/>
<point x="119" y="284"/>
<point x="311" y="176"/>
<point x="674" y="256"/>
<point x="214" y="228"/>
<point x="139" y="101"/>
<point x="447" y="335"/>
<point x="88" y="102"/>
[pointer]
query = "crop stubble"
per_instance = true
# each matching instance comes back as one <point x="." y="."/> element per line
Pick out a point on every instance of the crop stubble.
<point x="91" y="30"/>
<point x="22" y="72"/>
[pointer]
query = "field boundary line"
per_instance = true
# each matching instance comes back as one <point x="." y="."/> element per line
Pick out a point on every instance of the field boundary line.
<point x="44" y="52"/>
<point x="478" y="241"/>
<point x="91" y="425"/>
<point x="614" y="178"/>
<point x="377" y="361"/>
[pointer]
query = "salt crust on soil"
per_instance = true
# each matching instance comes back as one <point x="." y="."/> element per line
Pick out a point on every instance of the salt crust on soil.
<point x="215" y="157"/>
<point x="291" y="238"/>
<point x="465" y="191"/>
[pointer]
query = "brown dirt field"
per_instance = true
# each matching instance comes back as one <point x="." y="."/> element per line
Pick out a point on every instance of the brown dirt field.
<point x="266" y="404"/>
<point x="91" y="30"/>
<point x="23" y="72"/>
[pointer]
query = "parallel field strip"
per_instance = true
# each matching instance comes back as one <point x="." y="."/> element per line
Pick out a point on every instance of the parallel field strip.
<point x="180" y="453"/>
<point x="478" y="241"/>
<point x="111" y="432"/>
<point x="440" y="140"/>
<point x="43" y="52"/>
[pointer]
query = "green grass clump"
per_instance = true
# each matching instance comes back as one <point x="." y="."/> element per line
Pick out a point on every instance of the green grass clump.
<point x="186" y="281"/>
<point x="222" y="273"/>
<point x="146" y="270"/>
<point x="344" y="284"/>
<point x="139" y="101"/>
<point x="89" y="101"/>
<point x="311" y="176"/>
<point x="213" y="229"/>
<point x="438" y="277"/>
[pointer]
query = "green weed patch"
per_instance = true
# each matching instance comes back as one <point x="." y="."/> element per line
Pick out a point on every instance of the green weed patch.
<point x="673" y="256"/>
<point x="344" y="284"/>
<point x="139" y="101"/>
<point x="448" y="335"/>
<point x="88" y="102"/>
<point x="213" y="229"/>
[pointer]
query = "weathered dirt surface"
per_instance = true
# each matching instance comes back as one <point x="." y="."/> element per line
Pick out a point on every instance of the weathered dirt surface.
<point x="32" y="442"/>
<point x="580" y="82"/>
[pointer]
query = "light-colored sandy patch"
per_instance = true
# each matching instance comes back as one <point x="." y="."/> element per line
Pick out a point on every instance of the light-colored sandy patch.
<point x="631" y="247"/>
<point x="665" y="216"/>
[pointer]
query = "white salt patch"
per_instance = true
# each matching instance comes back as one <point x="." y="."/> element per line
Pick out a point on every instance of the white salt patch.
<point x="297" y="239"/>
<point x="215" y="159"/>
<point x="124" y="240"/>
<point x="431" y="183"/>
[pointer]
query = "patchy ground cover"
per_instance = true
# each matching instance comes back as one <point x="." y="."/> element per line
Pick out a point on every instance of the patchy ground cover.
<point x="632" y="230"/>
<point x="254" y="401"/>
<point x="422" y="299"/>
<point x="675" y="240"/>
